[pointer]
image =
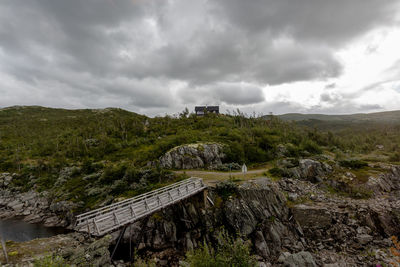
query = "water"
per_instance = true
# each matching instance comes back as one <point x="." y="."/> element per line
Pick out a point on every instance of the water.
<point x="20" y="231"/>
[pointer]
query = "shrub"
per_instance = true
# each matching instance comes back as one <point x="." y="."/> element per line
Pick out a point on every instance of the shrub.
<point x="229" y="166"/>
<point x="395" y="157"/>
<point x="229" y="252"/>
<point x="395" y="250"/>
<point x="353" y="163"/>
<point x="277" y="172"/>
<point x="360" y="192"/>
<point x="226" y="189"/>
<point x="50" y="261"/>
<point x="310" y="146"/>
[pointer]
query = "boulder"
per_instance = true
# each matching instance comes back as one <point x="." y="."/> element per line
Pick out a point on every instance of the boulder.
<point x="193" y="156"/>
<point x="364" y="239"/>
<point x="385" y="182"/>
<point x="5" y="178"/>
<point x="312" y="216"/>
<point x="304" y="259"/>
<point x="311" y="170"/>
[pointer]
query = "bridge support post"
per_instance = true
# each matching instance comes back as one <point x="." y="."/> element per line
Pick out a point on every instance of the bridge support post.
<point x="121" y="234"/>
<point x="205" y="195"/>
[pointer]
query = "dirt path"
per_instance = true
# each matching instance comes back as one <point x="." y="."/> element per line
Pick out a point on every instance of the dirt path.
<point x="213" y="177"/>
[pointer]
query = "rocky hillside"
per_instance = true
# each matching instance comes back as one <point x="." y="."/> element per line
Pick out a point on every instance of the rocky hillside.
<point x="303" y="218"/>
<point x="324" y="199"/>
<point x="290" y="222"/>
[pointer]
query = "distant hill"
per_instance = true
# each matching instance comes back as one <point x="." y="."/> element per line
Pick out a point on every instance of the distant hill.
<point x="379" y="117"/>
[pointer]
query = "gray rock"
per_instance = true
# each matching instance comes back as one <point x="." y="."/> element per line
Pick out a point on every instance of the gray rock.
<point x="364" y="239"/>
<point x="283" y="257"/>
<point x="303" y="258"/>
<point x="312" y="170"/>
<point x="293" y="196"/>
<point x="312" y="216"/>
<point x="261" y="246"/>
<point x="5" y="178"/>
<point x="193" y="156"/>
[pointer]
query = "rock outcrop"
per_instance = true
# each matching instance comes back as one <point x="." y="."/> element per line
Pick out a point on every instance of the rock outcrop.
<point x="289" y="222"/>
<point x="257" y="211"/>
<point x="320" y="229"/>
<point x="35" y="207"/>
<point x="311" y="170"/>
<point x="385" y="182"/>
<point x="193" y="156"/>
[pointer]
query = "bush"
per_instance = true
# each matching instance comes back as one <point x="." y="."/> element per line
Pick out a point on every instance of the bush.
<point x="311" y="147"/>
<point x="229" y="166"/>
<point x="354" y="163"/>
<point x="226" y="189"/>
<point x="50" y="261"/>
<point x="277" y="172"/>
<point x="395" y="157"/>
<point x="360" y="192"/>
<point x="229" y="252"/>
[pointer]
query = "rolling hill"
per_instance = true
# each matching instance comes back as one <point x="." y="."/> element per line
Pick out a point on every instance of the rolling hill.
<point x="379" y="117"/>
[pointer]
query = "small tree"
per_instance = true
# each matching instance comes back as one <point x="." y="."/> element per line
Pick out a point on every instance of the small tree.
<point x="395" y="250"/>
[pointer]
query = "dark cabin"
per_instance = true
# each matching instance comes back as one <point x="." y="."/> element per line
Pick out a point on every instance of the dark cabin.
<point x="202" y="110"/>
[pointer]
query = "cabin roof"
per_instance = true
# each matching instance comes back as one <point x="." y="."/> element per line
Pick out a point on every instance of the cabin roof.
<point x="208" y="108"/>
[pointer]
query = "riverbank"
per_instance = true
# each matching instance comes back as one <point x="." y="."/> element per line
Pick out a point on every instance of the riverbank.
<point x="33" y="207"/>
<point x="74" y="248"/>
<point x="18" y="230"/>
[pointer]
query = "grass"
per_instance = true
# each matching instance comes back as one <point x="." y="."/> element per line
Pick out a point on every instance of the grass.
<point x="20" y="251"/>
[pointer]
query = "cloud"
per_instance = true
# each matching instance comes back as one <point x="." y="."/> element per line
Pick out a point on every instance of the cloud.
<point x="223" y="93"/>
<point x="151" y="55"/>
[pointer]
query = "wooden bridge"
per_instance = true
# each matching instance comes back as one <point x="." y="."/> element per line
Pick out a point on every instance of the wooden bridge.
<point x="110" y="218"/>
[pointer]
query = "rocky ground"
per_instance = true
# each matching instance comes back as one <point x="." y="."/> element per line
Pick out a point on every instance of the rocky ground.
<point x="32" y="206"/>
<point x="317" y="214"/>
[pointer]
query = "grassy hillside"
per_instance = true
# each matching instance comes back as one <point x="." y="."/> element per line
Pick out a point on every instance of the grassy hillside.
<point x="92" y="156"/>
<point x="59" y="137"/>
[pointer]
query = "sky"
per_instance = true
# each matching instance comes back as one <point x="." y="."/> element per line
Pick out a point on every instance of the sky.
<point x="156" y="57"/>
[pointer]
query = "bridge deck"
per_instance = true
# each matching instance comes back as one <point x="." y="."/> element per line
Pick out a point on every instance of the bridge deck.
<point x="109" y="218"/>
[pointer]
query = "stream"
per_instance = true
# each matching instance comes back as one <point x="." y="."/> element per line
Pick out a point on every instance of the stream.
<point x="20" y="231"/>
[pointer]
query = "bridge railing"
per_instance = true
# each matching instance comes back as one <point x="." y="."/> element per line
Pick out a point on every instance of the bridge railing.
<point x="151" y="199"/>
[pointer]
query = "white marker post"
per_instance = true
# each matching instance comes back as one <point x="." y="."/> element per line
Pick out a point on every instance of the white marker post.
<point x="244" y="168"/>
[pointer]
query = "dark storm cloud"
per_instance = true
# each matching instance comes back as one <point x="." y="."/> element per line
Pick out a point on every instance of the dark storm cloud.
<point x="134" y="52"/>
<point x="324" y="21"/>
<point x="226" y="93"/>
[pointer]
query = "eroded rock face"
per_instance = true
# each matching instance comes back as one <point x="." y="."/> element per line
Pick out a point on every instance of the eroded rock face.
<point x="302" y="258"/>
<point x="312" y="216"/>
<point x="35" y="208"/>
<point x="193" y="156"/>
<point x="385" y="182"/>
<point x="311" y="170"/>
<point x="257" y="211"/>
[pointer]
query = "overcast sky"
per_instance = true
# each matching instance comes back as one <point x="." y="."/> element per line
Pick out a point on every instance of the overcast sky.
<point x="160" y="56"/>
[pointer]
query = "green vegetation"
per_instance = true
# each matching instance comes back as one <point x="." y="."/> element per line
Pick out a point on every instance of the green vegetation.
<point x="92" y="157"/>
<point x="276" y="172"/>
<point x="50" y="261"/>
<point x="229" y="252"/>
<point x="353" y="163"/>
<point x="46" y="138"/>
<point x="226" y="189"/>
